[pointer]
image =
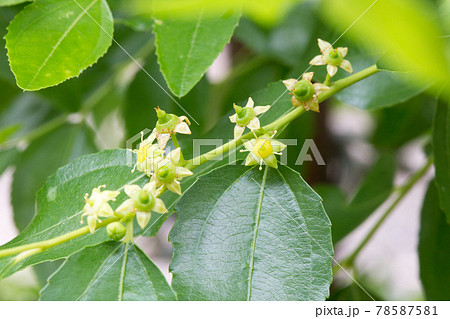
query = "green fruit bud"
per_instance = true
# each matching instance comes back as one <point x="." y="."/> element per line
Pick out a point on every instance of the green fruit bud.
<point x="303" y="90"/>
<point x="334" y="57"/>
<point x="116" y="231"/>
<point x="166" y="122"/>
<point x="245" y="115"/>
<point x="143" y="201"/>
<point x="166" y="173"/>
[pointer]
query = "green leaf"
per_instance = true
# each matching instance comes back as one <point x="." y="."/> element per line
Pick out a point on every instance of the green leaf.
<point x="288" y="41"/>
<point x="51" y="41"/>
<point x="380" y="90"/>
<point x="26" y="112"/>
<point x="265" y="12"/>
<point x="7" y="158"/>
<point x="434" y="252"/>
<point x="111" y="271"/>
<point x="187" y="47"/>
<point x="43" y="157"/>
<point x="374" y="190"/>
<point x="404" y="122"/>
<point x="247" y="234"/>
<point x="441" y="150"/>
<point x="60" y="202"/>
<point x="4" y="3"/>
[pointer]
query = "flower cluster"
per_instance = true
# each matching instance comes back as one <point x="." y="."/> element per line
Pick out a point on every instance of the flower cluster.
<point x="167" y="170"/>
<point x="304" y="92"/>
<point x="96" y="206"/>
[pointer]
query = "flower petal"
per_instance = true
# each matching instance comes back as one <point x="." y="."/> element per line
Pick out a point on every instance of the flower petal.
<point x="254" y="124"/>
<point x="249" y="160"/>
<point x="110" y="195"/>
<point x="249" y="144"/>
<point x="250" y="103"/>
<point x="342" y="51"/>
<point x="150" y="187"/>
<point x="331" y="69"/>
<point x="319" y="87"/>
<point x="238" y="130"/>
<point x="324" y="45"/>
<point x="185" y="119"/>
<point x="130" y="190"/>
<point x="317" y="60"/>
<point x="92" y="223"/>
<point x="175" y="155"/>
<point x="233" y="118"/>
<point x="152" y="136"/>
<point x="271" y="160"/>
<point x="289" y="83"/>
<point x="182" y="128"/>
<point x="296" y="102"/>
<point x="312" y="105"/>
<point x="126" y="207"/>
<point x="308" y="76"/>
<point x="105" y="211"/>
<point x="163" y="139"/>
<point x="175" y="187"/>
<point x="261" y="109"/>
<point x="347" y="66"/>
<point x="277" y="146"/>
<point x="182" y="172"/>
<point x="159" y="206"/>
<point x="143" y="218"/>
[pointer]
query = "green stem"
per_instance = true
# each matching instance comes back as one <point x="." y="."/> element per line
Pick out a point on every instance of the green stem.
<point x="402" y="191"/>
<point x="284" y="120"/>
<point x="346" y="82"/>
<point x="195" y="162"/>
<point x="54" y="241"/>
<point x="38" y="132"/>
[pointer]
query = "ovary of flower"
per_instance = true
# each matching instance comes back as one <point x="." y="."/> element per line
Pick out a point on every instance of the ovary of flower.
<point x="142" y="201"/>
<point x="169" y="172"/>
<point x="332" y="58"/>
<point x="181" y="127"/>
<point x="262" y="151"/>
<point x="247" y="117"/>
<point x="96" y="205"/>
<point x="148" y="154"/>
<point x="304" y="93"/>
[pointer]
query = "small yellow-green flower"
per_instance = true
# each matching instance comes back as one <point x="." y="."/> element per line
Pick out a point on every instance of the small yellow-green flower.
<point x="148" y="154"/>
<point x="247" y="117"/>
<point x="333" y="58"/>
<point x="169" y="171"/>
<point x="304" y="93"/>
<point x="96" y="205"/>
<point x="169" y="124"/>
<point x="262" y="151"/>
<point x="142" y="201"/>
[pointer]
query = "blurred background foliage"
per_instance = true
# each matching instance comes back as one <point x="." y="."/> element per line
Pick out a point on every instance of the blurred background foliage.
<point x="114" y="100"/>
